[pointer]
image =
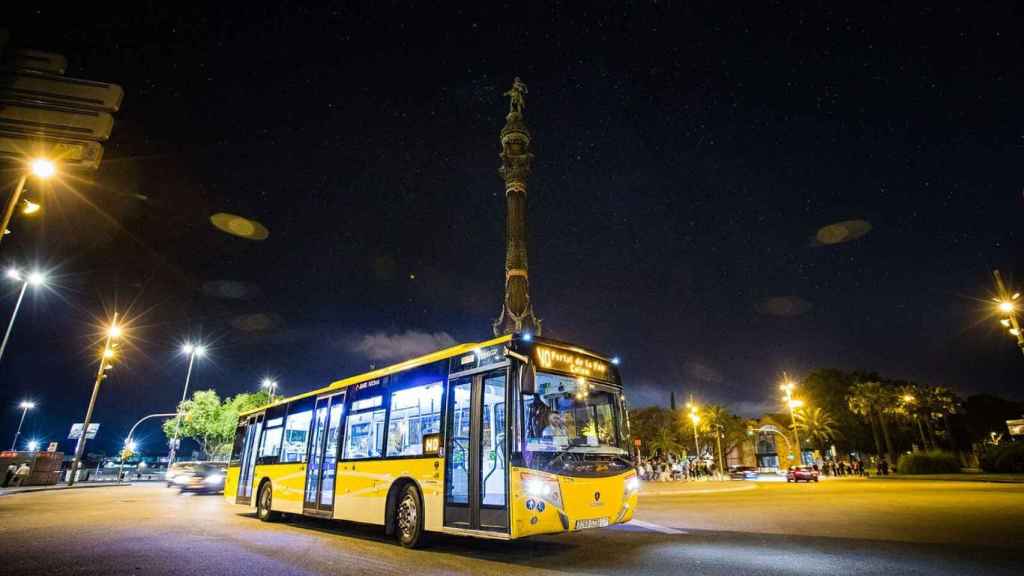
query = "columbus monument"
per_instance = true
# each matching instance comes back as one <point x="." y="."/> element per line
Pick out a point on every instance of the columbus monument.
<point x="516" y="311"/>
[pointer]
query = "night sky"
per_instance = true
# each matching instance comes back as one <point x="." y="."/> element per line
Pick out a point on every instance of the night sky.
<point x="685" y="162"/>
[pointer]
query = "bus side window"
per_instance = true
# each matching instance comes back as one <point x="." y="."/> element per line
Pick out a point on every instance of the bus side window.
<point x="364" y="426"/>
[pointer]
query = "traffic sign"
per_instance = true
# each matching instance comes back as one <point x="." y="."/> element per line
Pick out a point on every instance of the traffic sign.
<point x="31" y="86"/>
<point x="85" y="154"/>
<point x="76" y="431"/>
<point x="54" y="120"/>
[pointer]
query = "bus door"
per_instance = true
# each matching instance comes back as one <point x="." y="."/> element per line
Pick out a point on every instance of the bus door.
<point x="318" y="499"/>
<point x="476" y="456"/>
<point x="248" y="461"/>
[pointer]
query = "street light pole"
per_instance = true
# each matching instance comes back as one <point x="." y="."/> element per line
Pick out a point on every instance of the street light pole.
<point x="721" y="462"/>
<point x="128" y="441"/>
<point x="36" y="279"/>
<point x="25" y="407"/>
<point x="787" y="387"/>
<point x="192" y="352"/>
<point x="1008" y="306"/>
<point x="113" y="332"/>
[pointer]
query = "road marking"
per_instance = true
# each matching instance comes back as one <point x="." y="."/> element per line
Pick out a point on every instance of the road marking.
<point x="701" y="491"/>
<point x="654" y="527"/>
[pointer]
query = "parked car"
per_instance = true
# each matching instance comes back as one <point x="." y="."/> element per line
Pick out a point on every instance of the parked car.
<point x="743" y="473"/>
<point x="178" y="469"/>
<point x="205" y="477"/>
<point x="798" y="473"/>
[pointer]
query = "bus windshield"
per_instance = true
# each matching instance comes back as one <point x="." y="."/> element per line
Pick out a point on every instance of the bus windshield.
<point x="573" y="425"/>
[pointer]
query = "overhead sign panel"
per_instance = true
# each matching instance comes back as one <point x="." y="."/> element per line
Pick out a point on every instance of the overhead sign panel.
<point x="47" y="88"/>
<point x="76" y="431"/>
<point x="41" y="61"/>
<point x="52" y="120"/>
<point x="85" y="154"/>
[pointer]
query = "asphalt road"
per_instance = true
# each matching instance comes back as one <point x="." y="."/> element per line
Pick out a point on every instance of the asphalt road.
<point x="838" y="527"/>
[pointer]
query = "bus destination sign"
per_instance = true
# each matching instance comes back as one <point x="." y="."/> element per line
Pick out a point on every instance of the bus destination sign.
<point x="571" y="362"/>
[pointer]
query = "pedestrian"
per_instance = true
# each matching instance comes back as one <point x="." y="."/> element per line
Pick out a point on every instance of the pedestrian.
<point x="883" y="467"/>
<point x="21" y="474"/>
<point x="11" y="469"/>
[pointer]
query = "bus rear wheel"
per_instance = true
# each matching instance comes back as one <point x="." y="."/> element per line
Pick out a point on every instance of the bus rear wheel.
<point x="263" y="503"/>
<point x="409" y="518"/>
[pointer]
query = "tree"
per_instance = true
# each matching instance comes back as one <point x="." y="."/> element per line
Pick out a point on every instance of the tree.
<point x="861" y="403"/>
<point x="647" y="423"/>
<point x="828" y="389"/>
<point x="817" y="426"/>
<point x="664" y="442"/>
<point x="210" y="422"/>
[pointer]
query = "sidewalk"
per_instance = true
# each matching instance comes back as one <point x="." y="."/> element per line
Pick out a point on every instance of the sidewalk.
<point x="686" y="487"/>
<point x="962" y="477"/>
<point x="61" y="486"/>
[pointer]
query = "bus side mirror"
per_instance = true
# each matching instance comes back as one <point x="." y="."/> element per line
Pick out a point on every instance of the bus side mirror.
<point x="529" y="384"/>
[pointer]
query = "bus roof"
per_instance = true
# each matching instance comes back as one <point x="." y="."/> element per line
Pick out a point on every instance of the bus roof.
<point x="386" y="371"/>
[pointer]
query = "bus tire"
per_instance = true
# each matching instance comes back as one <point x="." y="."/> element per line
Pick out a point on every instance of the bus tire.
<point x="408" y="520"/>
<point x="263" y="504"/>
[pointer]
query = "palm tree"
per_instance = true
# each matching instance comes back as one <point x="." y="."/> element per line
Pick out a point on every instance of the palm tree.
<point x="817" y="425"/>
<point x="912" y="406"/>
<point x="861" y="403"/>
<point x="664" y="442"/>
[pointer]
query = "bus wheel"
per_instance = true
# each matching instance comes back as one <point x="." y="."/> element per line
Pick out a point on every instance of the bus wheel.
<point x="263" y="502"/>
<point x="409" y="517"/>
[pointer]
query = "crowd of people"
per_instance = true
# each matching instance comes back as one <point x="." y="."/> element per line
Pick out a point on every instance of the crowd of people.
<point x="672" y="468"/>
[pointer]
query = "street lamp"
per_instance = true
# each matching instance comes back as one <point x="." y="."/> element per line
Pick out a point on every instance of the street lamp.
<point x="271" y="385"/>
<point x="113" y="333"/>
<point x="193" y="351"/>
<point x="1006" y="305"/>
<point x="40" y="168"/>
<point x="33" y="445"/>
<point x="25" y="407"/>
<point x="695" y="418"/>
<point x="787" y="387"/>
<point x="33" y="279"/>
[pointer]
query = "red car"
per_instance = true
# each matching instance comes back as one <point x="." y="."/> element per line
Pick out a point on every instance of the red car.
<point x="798" y="473"/>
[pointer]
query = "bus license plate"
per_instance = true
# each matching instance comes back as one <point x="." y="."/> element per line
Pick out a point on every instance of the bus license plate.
<point x="591" y="523"/>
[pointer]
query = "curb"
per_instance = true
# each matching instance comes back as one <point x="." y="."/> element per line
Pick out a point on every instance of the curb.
<point x="743" y="488"/>
<point x="31" y="489"/>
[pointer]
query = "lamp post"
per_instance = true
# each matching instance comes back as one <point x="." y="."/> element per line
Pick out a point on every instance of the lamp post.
<point x="271" y="385"/>
<point x="35" y="279"/>
<point x="695" y="418"/>
<point x="194" y="351"/>
<point x="25" y="407"/>
<point x="114" y="332"/>
<point x="40" y="168"/>
<point x="787" y="387"/>
<point x="130" y="444"/>
<point x="1006" y="303"/>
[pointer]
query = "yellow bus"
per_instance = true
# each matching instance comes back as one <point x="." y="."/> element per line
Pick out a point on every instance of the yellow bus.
<point x="502" y="439"/>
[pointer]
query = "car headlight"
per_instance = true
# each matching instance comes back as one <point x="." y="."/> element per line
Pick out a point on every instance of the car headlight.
<point x="180" y="479"/>
<point x="214" y="479"/>
<point x="543" y="488"/>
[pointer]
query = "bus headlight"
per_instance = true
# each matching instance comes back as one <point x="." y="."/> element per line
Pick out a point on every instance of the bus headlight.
<point x="543" y="488"/>
<point x="632" y="486"/>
